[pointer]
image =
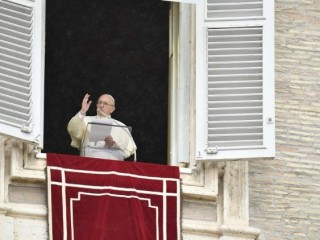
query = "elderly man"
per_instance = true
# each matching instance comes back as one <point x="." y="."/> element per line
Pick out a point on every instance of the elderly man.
<point x="117" y="145"/>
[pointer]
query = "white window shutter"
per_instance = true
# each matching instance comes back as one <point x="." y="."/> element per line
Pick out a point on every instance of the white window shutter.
<point x="21" y="70"/>
<point x="235" y="81"/>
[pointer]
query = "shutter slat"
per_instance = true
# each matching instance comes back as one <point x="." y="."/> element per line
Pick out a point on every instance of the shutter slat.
<point x="235" y="13"/>
<point x="229" y="71"/>
<point x="240" y="77"/>
<point x="15" y="34"/>
<point x="234" y="130"/>
<point x="13" y="121"/>
<point x="236" y="57"/>
<point x="14" y="54"/>
<point x="233" y="52"/>
<point x="15" y="87"/>
<point x="234" y="6"/>
<point x="22" y="10"/>
<point x="235" y="137"/>
<point x="16" y="94"/>
<point x="243" y="64"/>
<point x="235" y="117"/>
<point x="13" y="100"/>
<point x="22" y="83"/>
<point x="234" y="104"/>
<point x="15" y="114"/>
<point x="17" y="14"/>
<point x="12" y="73"/>
<point x="237" y="144"/>
<point x="217" y="9"/>
<point x="233" y="123"/>
<point x="19" y="23"/>
<point x="235" y="97"/>
<point x="235" y="84"/>
<point x="14" y="47"/>
<point x="17" y="41"/>
<point x="15" y="61"/>
<point x="14" y="67"/>
<point x="220" y="111"/>
<point x="15" y="27"/>
<point x="230" y="40"/>
<point x="15" y="107"/>
<point x="229" y="45"/>
<point x="231" y="1"/>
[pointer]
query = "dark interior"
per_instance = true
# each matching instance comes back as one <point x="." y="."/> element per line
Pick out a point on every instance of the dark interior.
<point x="116" y="47"/>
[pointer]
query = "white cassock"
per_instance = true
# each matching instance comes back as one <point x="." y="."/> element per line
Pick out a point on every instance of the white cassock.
<point x="88" y="133"/>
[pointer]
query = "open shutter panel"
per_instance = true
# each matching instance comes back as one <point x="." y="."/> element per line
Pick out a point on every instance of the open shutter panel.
<point x="15" y="64"/>
<point x="235" y="87"/>
<point x="235" y="79"/>
<point x="16" y="57"/>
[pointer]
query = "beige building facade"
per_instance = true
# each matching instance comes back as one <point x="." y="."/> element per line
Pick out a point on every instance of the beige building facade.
<point x="284" y="192"/>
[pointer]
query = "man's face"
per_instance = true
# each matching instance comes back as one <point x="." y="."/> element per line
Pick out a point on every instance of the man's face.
<point x="105" y="104"/>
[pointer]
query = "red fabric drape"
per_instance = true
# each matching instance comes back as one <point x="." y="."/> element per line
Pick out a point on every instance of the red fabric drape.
<point x="97" y="199"/>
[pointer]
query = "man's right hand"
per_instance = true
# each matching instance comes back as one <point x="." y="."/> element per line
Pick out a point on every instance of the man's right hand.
<point x="85" y="104"/>
<point x="109" y="141"/>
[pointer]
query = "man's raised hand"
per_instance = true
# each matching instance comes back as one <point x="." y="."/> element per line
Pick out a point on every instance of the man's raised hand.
<point x="85" y="104"/>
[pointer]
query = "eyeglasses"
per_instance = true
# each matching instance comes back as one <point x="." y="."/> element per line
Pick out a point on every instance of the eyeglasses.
<point x="105" y="104"/>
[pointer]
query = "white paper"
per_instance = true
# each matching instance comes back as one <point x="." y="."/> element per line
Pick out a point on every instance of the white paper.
<point x="99" y="129"/>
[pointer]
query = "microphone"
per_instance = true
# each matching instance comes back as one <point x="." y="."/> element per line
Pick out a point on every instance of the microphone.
<point x="102" y="113"/>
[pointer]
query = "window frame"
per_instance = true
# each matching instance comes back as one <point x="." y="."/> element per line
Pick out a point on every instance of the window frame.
<point x="36" y="135"/>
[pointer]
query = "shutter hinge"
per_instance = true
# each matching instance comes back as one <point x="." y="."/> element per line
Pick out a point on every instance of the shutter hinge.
<point x="212" y="150"/>
<point x="26" y="129"/>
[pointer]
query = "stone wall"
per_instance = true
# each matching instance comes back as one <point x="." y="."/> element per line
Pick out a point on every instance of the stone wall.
<point x="23" y="203"/>
<point x="285" y="192"/>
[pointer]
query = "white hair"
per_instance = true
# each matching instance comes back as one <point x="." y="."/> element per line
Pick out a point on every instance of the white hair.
<point x="112" y="99"/>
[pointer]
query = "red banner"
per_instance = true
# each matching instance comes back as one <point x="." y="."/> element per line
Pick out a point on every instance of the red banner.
<point x="91" y="198"/>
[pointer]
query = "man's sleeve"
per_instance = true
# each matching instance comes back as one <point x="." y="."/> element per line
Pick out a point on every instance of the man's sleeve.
<point x="76" y="129"/>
